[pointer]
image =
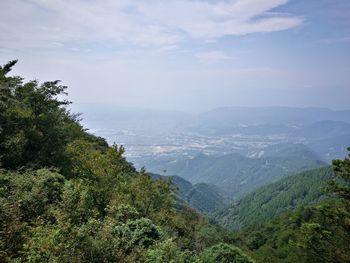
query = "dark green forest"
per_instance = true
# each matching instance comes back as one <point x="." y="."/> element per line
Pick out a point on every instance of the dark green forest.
<point x="272" y="200"/>
<point x="68" y="196"/>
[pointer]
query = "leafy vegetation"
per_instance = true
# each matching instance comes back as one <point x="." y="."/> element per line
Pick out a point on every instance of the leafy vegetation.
<point x="224" y="253"/>
<point x="317" y="233"/>
<point x="310" y="234"/>
<point x="270" y="201"/>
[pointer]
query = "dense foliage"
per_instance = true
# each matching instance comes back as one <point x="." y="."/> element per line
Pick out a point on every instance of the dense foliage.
<point x="271" y="200"/>
<point x="66" y="196"/>
<point x="318" y="233"/>
<point x="310" y="234"/>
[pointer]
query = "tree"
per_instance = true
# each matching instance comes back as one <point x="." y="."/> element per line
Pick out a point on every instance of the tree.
<point x="224" y="253"/>
<point x="325" y="237"/>
<point x="341" y="183"/>
<point x="167" y="251"/>
<point x="25" y="200"/>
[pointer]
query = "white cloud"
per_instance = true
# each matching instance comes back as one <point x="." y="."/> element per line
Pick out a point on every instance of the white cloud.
<point x="57" y="23"/>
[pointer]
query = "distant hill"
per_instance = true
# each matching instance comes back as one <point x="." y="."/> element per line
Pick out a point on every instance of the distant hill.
<point x="331" y="148"/>
<point x="228" y="116"/>
<point x="289" y="150"/>
<point x="236" y="174"/>
<point x="271" y="200"/>
<point x="317" y="128"/>
<point x="203" y="197"/>
<point x="179" y="134"/>
<point x="329" y="139"/>
<point x="322" y="130"/>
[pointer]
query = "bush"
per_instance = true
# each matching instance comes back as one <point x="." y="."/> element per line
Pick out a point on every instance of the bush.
<point x="224" y="253"/>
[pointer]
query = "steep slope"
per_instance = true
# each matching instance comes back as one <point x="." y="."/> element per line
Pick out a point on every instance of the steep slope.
<point x="203" y="197"/>
<point x="236" y="174"/>
<point x="206" y="198"/>
<point x="269" y="201"/>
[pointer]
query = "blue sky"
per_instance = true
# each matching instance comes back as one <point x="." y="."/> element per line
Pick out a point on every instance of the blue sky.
<point x="182" y="54"/>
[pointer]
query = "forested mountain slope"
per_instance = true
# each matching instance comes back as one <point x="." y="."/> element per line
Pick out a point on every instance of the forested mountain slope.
<point x="269" y="201"/>
<point x="203" y="197"/>
<point x="236" y="174"/>
<point x="311" y="234"/>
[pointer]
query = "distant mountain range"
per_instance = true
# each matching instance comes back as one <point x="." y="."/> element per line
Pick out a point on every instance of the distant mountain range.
<point x="322" y="130"/>
<point x="236" y="174"/>
<point x="233" y="116"/>
<point x="270" y="201"/>
<point x="141" y="131"/>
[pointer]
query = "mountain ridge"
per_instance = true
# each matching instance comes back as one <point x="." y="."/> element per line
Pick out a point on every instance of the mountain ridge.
<point x="204" y="197"/>
<point x="268" y="202"/>
<point x="236" y="174"/>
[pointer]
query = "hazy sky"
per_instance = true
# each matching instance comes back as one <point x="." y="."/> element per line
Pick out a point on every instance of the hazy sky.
<point x="184" y="54"/>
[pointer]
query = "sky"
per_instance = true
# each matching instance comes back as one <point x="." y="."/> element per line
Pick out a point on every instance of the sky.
<point x="191" y="55"/>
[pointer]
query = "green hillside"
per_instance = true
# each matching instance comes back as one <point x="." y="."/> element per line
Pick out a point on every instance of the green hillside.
<point x="310" y="234"/>
<point x="236" y="174"/>
<point x="206" y="198"/>
<point x="269" y="201"/>
<point x="203" y="197"/>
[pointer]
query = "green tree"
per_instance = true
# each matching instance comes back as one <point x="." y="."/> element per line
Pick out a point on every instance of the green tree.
<point x="25" y="200"/>
<point x="35" y="125"/>
<point x="224" y="253"/>
<point x="167" y="251"/>
<point x="341" y="183"/>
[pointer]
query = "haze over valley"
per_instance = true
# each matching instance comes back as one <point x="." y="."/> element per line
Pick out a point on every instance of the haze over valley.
<point x="218" y="146"/>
